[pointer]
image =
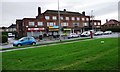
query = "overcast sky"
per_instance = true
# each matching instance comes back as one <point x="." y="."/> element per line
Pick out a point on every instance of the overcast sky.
<point x="19" y="9"/>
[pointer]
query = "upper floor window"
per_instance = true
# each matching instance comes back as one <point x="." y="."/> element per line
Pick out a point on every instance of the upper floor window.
<point x="78" y="18"/>
<point x="64" y="24"/>
<point x="51" y="23"/>
<point x="98" y="23"/>
<point x="87" y="19"/>
<point x="85" y="24"/>
<point x="61" y="18"/>
<point x="47" y="17"/>
<point x="73" y="18"/>
<point x="76" y="24"/>
<point x="31" y="23"/>
<point x="54" y="17"/>
<point x="40" y="23"/>
<point x="83" y="19"/>
<point x="67" y="18"/>
<point x="95" y="23"/>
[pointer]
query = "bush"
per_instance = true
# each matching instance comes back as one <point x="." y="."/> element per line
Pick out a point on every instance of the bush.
<point x="4" y="38"/>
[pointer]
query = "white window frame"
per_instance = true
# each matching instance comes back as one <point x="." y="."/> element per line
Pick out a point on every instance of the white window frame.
<point x="78" y="18"/>
<point x="87" y="19"/>
<point x="51" y="23"/>
<point x="98" y="23"/>
<point x="85" y="24"/>
<point x="61" y="17"/>
<point x="95" y="23"/>
<point x="31" y="23"/>
<point x="76" y="23"/>
<point x="67" y="18"/>
<point x="83" y="19"/>
<point x="40" y="23"/>
<point x="54" y="18"/>
<point x="64" y="24"/>
<point x="73" y="18"/>
<point x="47" y="17"/>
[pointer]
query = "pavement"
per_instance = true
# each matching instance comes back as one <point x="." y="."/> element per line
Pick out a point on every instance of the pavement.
<point x="11" y="40"/>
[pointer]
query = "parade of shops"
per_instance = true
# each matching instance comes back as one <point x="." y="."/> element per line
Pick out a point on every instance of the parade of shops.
<point x="47" y="23"/>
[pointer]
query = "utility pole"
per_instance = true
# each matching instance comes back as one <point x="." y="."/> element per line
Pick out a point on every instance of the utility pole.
<point x="92" y="18"/>
<point x="59" y="21"/>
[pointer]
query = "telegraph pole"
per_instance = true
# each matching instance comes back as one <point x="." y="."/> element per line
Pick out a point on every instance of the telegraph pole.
<point x="59" y="21"/>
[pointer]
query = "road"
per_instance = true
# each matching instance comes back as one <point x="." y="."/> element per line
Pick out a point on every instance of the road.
<point x="11" y="40"/>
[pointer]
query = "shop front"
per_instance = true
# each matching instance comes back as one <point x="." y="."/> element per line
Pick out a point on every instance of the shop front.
<point x="53" y="30"/>
<point x="67" y="31"/>
<point x="77" y="30"/>
<point x="35" y="32"/>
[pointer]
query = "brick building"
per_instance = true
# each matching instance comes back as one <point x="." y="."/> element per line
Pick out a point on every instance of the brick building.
<point x="47" y="23"/>
<point x="112" y="24"/>
<point x="95" y="24"/>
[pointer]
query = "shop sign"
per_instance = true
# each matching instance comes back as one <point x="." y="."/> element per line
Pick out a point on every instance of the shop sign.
<point x="53" y="26"/>
<point x="67" y="29"/>
<point x="35" y="29"/>
<point x="53" y="29"/>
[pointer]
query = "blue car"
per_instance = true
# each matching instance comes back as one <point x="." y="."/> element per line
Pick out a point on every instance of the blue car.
<point x="25" y="41"/>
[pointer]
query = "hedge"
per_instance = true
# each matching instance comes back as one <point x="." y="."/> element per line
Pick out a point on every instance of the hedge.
<point x="4" y="38"/>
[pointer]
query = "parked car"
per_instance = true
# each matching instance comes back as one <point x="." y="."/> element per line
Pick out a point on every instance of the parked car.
<point x="98" y="33"/>
<point x="25" y="41"/>
<point x="85" y="34"/>
<point x="107" y="32"/>
<point x="11" y="35"/>
<point x="73" y="35"/>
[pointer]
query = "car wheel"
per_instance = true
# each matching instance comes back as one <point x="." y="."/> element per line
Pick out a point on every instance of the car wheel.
<point x="33" y="43"/>
<point x="19" y="45"/>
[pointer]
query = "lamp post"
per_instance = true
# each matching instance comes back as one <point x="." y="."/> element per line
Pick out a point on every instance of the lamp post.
<point x="92" y="18"/>
<point x="59" y="21"/>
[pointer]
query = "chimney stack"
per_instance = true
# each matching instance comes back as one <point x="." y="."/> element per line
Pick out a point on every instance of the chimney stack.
<point x="64" y="10"/>
<point x="83" y="13"/>
<point x="106" y="20"/>
<point x="39" y="11"/>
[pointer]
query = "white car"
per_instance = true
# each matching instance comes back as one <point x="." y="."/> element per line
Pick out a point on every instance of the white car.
<point x="72" y="35"/>
<point x="85" y="34"/>
<point x="108" y="32"/>
<point x="98" y="33"/>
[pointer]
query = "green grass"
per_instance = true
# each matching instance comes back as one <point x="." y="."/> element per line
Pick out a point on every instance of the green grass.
<point x="85" y="55"/>
<point x="48" y="43"/>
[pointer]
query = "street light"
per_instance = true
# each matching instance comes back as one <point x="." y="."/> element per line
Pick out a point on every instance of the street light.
<point x="92" y="18"/>
<point x="59" y="21"/>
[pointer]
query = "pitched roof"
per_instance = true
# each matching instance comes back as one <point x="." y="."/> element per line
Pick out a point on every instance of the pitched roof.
<point x="112" y="21"/>
<point x="62" y="12"/>
<point x="12" y="26"/>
